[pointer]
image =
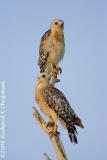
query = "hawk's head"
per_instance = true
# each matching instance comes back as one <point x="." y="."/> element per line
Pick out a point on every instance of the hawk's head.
<point x="43" y="78"/>
<point x="57" y="24"/>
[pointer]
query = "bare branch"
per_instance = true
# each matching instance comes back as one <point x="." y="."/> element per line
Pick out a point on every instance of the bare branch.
<point x="55" y="139"/>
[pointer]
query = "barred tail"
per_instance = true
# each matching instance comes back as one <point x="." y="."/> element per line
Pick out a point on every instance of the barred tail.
<point x="72" y="134"/>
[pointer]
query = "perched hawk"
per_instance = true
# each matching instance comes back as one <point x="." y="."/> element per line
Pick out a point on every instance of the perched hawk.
<point x="52" y="48"/>
<point x="54" y="104"/>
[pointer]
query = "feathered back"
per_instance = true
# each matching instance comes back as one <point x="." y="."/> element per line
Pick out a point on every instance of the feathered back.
<point x="58" y="102"/>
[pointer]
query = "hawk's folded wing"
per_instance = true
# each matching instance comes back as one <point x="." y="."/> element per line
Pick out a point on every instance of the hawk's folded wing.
<point x="58" y="102"/>
<point x="43" y="52"/>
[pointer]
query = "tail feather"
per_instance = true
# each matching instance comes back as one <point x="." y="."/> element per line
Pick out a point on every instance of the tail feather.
<point x="72" y="134"/>
<point x="78" y="122"/>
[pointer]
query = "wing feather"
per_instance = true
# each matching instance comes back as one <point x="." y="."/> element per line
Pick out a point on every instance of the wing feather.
<point x="43" y="53"/>
<point x="58" y="102"/>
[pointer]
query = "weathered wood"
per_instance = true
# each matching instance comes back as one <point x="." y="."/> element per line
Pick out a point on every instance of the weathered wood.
<point x="55" y="139"/>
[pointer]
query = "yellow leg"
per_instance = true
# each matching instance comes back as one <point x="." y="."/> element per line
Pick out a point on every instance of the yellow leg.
<point x="55" y="71"/>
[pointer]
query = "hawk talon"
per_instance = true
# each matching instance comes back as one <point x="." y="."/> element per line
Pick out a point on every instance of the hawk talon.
<point x="57" y="70"/>
<point x="60" y="70"/>
<point x="54" y="66"/>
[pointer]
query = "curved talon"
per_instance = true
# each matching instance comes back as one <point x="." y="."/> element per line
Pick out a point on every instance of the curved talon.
<point x="57" y="70"/>
<point x="60" y="70"/>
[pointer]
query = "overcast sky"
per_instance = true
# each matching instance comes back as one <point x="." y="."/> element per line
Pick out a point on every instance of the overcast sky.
<point x="83" y="81"/>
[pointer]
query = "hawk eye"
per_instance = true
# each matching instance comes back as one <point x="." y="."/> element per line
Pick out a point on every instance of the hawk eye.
<point x="56" y="23"/>
<point x="43" y="76"/>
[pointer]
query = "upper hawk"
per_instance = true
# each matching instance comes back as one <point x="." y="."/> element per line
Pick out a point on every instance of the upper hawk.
<point x="52" y="48"/>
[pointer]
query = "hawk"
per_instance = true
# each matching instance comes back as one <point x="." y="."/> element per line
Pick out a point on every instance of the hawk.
<point x="52" y="47"/>
<point x="54" y="104"/>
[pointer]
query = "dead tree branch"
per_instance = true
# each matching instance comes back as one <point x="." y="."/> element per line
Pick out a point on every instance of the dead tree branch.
<point x="55" y="139"/>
